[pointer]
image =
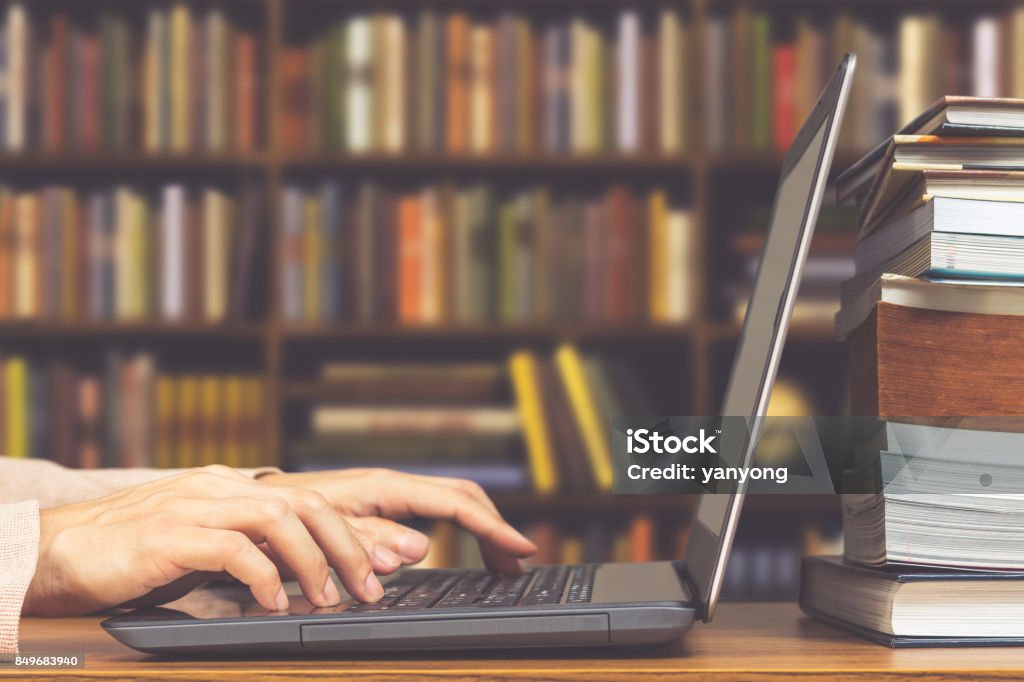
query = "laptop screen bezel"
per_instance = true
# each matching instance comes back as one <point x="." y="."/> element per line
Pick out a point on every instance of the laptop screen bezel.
<point x="707" y="553"/>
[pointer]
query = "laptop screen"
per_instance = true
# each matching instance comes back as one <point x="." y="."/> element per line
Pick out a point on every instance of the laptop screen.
<point x="797" y="202"/>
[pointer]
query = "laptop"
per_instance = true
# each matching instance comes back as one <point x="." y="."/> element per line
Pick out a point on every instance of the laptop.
<point x="590" y="605"/>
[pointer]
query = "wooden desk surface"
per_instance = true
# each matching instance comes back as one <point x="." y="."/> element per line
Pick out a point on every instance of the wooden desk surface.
<point x="745" y="641"/>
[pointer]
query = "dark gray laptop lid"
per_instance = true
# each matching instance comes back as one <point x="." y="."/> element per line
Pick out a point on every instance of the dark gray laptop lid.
<point x="797" y="203"/>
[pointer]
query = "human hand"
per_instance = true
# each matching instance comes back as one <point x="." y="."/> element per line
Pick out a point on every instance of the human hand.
<point x="369" y="496"/>
<point x="168" y="535"/>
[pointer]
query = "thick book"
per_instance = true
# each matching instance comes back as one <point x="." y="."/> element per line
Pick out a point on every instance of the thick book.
<point x="955" y="296"/>
<point x="922" y="363"/>
<point x="905" y="607"/>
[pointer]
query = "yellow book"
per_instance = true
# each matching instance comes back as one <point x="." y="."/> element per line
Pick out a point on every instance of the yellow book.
<point x="217" y="217"/>
<point x="188" y="407"/>
<point x="209" y="420"/>
<point x="253" y="423"/>
<point x="672" y="71"/>
<point x="658" y="294"/>
<point x="124" y="209"/>
<point x="26" y="267"/>
<point x="233" y="425"/>
<point x="139" y="259"/>
<point x="16" y="398"/>
<point x="525" y="375"/>
<point x="481" y="95"/>
<point x="165" y="422"/>
<point x="595" y="434"/>
<point x="311" y="236"/>
<point x="180" y="57"/>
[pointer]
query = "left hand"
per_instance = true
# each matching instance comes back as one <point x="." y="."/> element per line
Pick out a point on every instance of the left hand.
<point x="371" y="499"/>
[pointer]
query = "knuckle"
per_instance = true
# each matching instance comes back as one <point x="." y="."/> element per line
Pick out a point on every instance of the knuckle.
<point x="217" y="469"/>
<point x="471" y="487"/>
<point x="273" y="509"/>
<point x="314" y="501"/>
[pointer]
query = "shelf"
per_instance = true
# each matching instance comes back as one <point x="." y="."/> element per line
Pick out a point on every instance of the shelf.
<point x="44" y="329"/>
<point x="511" y="333"/>
<point x="413" y="162"/>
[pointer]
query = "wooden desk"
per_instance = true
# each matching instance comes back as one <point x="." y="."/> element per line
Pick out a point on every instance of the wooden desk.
<point x="745" y="642"/>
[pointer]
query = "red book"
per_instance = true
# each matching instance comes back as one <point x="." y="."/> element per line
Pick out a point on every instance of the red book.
<point x="90" y="93"/>
<point x="7" y="238"/>
<point x="785" y="104"/>
<point x="410" y="259"/>
<point x="245" y="92"/>
<point x="296" y="85"/>
<point x="55" y="107"/>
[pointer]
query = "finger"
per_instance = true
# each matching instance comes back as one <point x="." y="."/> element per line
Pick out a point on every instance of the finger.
<point x="327" y="527"/>
<point x="208" y="549"/>
<point x="271" y="519"/>
<point x="383" y="559"/>
<point x="409" y="545"/>
<point x="491" y="554"/>
<point x="412" y="496"/>
<point x="343" y="550"/>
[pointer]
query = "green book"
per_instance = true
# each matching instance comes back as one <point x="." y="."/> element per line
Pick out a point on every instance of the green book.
<point x="334" y="88"/>
<point x="761" y="80"/>
<point x="508" y="233"/>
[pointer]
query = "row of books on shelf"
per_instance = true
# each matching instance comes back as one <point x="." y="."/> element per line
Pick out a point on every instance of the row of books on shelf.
<point x="534" y="422"/>
<point x="122" y="252"/>
<point x="180" y="79"/>
<point x="129" y="413"/>
<point x="454" y="82"/>
<point x="766" y="69"/>
<point x="934" y="319"/>
<point x="476" y="253"/>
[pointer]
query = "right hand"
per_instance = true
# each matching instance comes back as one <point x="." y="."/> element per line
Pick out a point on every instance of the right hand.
<point x="164" y="537"/>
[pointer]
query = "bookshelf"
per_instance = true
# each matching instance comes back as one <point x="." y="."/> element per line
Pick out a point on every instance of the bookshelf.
<point x="712" y="179"/>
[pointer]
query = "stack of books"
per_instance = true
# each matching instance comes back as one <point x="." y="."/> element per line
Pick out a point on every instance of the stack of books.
<point x="128" y="412"/>
<point x="536" y="422"/>
<point x="934" y="318"/>
<point x="478" y="253"/>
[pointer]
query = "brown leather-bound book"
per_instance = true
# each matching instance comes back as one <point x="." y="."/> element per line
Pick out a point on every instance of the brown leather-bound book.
<point x="927" y="366"/>
<point x="245" y="92"/>
<point x="296" y="85"/>
<point x="55" y="108"/>
<point x="457" y="37"/>
<point x="619" y="261"/>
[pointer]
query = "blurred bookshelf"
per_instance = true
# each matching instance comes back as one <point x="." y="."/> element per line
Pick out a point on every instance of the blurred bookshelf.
<point x="695" y="100"/>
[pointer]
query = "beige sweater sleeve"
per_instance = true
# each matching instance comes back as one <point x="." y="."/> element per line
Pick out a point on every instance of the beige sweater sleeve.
<point x="28" y="485"/>
<point x="19" y="547"/>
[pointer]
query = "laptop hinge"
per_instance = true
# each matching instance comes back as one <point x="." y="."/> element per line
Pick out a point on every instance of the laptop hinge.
<point x="690" y="587"/>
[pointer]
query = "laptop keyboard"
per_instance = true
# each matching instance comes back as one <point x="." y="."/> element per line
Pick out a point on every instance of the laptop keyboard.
<point x="472" y="588"/>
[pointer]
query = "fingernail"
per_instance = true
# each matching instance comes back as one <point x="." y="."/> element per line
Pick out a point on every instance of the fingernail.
<point x="331" y="592"/>
<point x="281" y="600"/>
<point x="413" y="546"/>
<point x="386" y="556"/>
<point x="374" y="590"/>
